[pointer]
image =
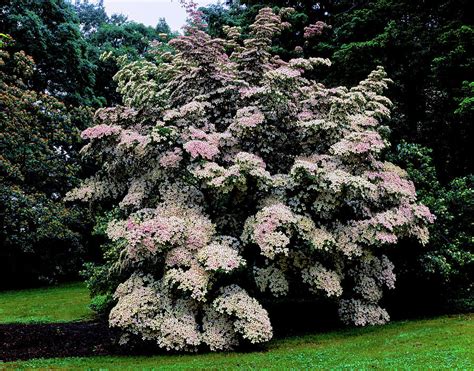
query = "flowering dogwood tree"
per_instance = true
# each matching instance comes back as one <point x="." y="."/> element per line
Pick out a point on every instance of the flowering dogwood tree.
<point x="239" y="175"/>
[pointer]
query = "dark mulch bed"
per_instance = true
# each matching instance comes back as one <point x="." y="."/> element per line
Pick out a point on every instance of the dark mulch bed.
<point x="93" y="338"/>
<point x="74" y="339"/>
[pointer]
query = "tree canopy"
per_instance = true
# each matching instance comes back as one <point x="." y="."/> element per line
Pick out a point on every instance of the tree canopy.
<point x="40" y="237"/>
<point x="49" y="31"/>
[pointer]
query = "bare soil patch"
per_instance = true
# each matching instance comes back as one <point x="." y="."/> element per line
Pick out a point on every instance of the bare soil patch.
<point x="73" y="339"/>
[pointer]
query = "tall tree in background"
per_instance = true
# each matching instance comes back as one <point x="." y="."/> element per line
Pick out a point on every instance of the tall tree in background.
<point x="91" y="15"/>
<point x="66" y="41"/>
<point x="117" y="37"/>
<point x="427" y="49"/>
<point x="40" y="238"/>
<point x="48" y="30"/>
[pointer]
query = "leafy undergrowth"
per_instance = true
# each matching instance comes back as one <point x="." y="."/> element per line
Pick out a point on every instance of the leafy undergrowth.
<point x="63" y="303"/>
<point x="445" y="342"/>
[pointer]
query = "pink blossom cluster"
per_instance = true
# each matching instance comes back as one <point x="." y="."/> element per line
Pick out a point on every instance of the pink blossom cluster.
<point x="92" y="189"/>
<point x="318" y="238"/>
<point x="172" y="158"/>
<point x="136" y="194"/>
<point x="359" y="143"/>
<point x="218" y="330"/>
<point x="146" y="310"/>
<point x="129" y="137"/>
<point x="284" y="73"/>
<point x="201" y="148"/>
<point x="193" y="280"/>
<point x="100" y="131"/>
<point x="314" y="30"/>
<point x="393" y="184"/>
<point x="225" y="179"/>
<point x="220" y="257"/>
<point x="267" y="228"/>
<point x="246" y="119"/>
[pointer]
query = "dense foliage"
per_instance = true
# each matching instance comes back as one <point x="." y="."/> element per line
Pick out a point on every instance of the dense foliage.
<point x="238" y="177"/>
<point x="40" y="238"/>
<point x="48" y="30"/>
<point x="442" y="272"/>
<point x="67" y="41"/>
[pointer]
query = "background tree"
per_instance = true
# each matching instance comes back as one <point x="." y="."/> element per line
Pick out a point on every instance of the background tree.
<point x="118" y="38"/>
<point x="427" y="49"/>
<point x="66" y="40"/>
<point x="91" y="15"/>
<point x="439" y="276"/>
<point x="48" y="30"/>
<point x="41" y="116"/>
<point x="41" y="239"/>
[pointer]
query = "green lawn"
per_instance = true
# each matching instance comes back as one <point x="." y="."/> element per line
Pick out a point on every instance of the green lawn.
<point x="55" y="304"/>
<point x="445" y="342"/>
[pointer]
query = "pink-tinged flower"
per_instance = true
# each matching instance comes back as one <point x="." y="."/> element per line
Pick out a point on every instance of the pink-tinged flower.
<point x="251" y="91"/>
<point x="314" y="30"/>
<point x="171" y="159"/>
<point x="99" y="131"/>
<point x="220" y="257"/>
<point x="130" y="137"/>
<point x="248" y="161"/>
<point x="218" y="330"/>
<point x="305" y="115"/>
<point x="284" y="73"/>
<point x="393" y="183"/>
<point x="359" y="143"/>
<point x="130" y="224"/>
<point x="249" y="117"/>
<point x="194" y="280"/>
<point x="386" y="238"/>
<point x="201" y="148"/>
<point x="265" y="229"/>
<point x="320" y="278"/>
<point x="179" y="256"/>
<point x="359" y="121"/>
<point x="252" y="319"/>
<point x="197" y="134"/>
<point x="422" y="212"/>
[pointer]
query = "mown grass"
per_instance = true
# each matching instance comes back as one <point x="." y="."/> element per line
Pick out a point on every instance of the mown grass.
<point x="440" y="343"/>
<point x="63" y="303"/>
